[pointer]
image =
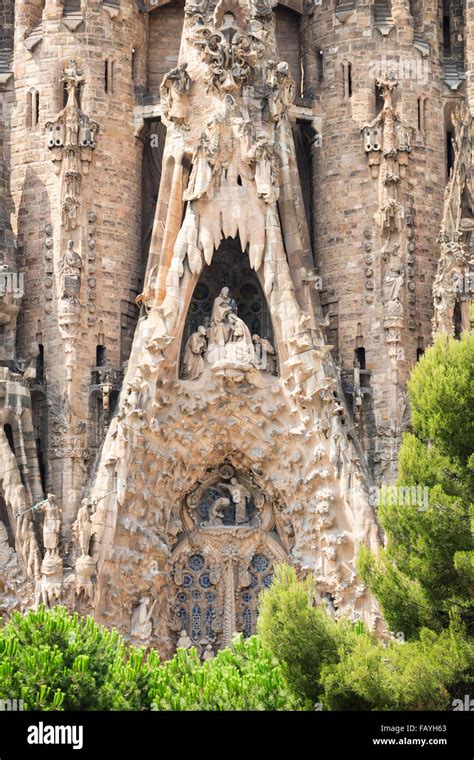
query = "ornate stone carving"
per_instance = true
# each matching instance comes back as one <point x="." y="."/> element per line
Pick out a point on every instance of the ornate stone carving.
<point x="453" y="282"/>
<point x="166" y="470"/>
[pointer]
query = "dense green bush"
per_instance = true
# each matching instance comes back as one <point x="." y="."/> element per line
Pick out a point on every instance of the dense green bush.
<point x="427" y="567"/>
<point x="341" y="666"/>
<point x="242" y="677"/>
<point x="53" y="660"/>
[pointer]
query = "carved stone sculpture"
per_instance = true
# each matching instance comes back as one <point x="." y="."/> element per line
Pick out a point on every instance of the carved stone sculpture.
<point x="51" y="525"/>
<point x="174" y="90"/>
<point x="265" y="354"/>
<point x="184" y="642"/>
<point x="193" y="362"/>
<point x="70" y="272"/>
<point x="82" y="528"/>
<point x="141" y="623"/>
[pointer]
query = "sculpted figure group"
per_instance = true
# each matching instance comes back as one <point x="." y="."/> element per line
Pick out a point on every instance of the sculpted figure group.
<point x="226" y="343"/>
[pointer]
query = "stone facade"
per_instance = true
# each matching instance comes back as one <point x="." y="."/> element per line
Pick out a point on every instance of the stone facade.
<point x="227" y="231"/>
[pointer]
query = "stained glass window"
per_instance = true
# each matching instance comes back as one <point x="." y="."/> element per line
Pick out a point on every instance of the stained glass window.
<point x="261" y="576"/>
<point x="196" y="598"/>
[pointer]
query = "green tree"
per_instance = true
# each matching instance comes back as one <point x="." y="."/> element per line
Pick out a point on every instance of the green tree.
<point x="53" y="660"/>
<point x="427" y="566"/>
<point x="341" y="666"/>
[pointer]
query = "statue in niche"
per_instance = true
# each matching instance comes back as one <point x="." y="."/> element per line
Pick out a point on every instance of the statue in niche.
<point x="141" y="624"/>
<point x="218" y="510"/>
<point x="69" y="208"/>
<point x="70" y="273"/>
<point x="174" y="89"/>
<point x="51" y="525"/>
<point x="193" y="362"/>
<point x="266" y="354"/>
<point x="216" y="517"/>
<point x="392" y="286"/>
<point x="219" y="332"/>
<point x="239" y="350"/>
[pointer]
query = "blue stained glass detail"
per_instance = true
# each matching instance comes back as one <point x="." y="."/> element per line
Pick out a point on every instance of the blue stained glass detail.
<point x="246" y="597"/>
<point x="196" y="594"/>
<point x="204" y="580"/>
<point x="260" y="563"/>
<point x="182" y="618"/>
<point x="196" y="622"/>
<point x="247" y="618"/>
<point x="209" y="619"/>
<point x="254" y="581"/>
<point x="268" y="580"/>
<point x="210" y="596"/>
<point x="187" y="581"/>
<point x="196" y="562"/>
<point x="182" y="597"/>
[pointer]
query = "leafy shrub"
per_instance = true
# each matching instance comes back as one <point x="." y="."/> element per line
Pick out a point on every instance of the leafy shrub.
<point x="56" y="661"/>
<point x="342" y="666"/>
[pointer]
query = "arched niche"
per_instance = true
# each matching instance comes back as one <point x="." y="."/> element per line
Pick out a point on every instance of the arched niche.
<point x="230" y="268"/>
<point x="220" y="563"/>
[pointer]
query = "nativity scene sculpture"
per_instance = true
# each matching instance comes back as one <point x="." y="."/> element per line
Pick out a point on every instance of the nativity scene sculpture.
<point x="226" y="344"/>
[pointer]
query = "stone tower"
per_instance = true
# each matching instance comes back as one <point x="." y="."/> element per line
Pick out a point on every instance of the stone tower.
<point x="222" y="232"/>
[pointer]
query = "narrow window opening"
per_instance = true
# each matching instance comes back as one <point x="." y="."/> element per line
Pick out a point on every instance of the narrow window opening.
<point x="360" y="356"/>
<point x="100" y="356"/>
<point x="320" y="65"/>
<point x="449" y="151"/>
<point x="36" y="109"/>
<point x="349" y="80"/>
<point x="446" y="35"/>
<point x="42" y="468"/>
<point x="40" y="365"/>
<point x="379" y="101"/>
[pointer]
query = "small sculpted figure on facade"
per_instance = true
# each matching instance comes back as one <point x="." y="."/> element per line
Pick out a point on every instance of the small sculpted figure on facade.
<point x="174" y="89"/>
<point x="202" y="172"/>
<point x="193" y="362"/>
<point x="70" y="273"/>
<point x="239" y="494"/>
<point x="265" y="353"/>
<point x="51" y="525"/>
<point x="141" y="624"/>
<point x="184" y="642"/>
<point x="82" y="528"/>
<point x="216" y="517"/>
